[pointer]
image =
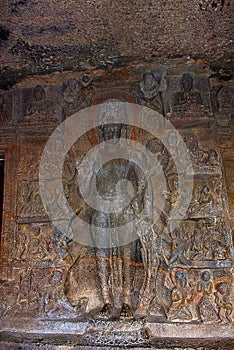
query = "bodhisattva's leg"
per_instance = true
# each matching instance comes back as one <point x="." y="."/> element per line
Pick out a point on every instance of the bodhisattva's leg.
<point x="103" y="267"/>
<point x="126" y="307"/>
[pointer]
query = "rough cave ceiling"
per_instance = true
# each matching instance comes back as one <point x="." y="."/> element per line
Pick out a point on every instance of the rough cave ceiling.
<point x="38" y="37"/>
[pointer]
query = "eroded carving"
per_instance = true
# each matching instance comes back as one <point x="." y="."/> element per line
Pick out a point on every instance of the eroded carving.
<point x="196" y="296"/>
<point x="204" y="160"/>
<point x="5" y="108"/>
<point x="30" y="203"/>
<point x="213" y="5"/>
<point x="222" y="299"/>
<point x="40" y="105"/>
<point x="179" y="309"/>
<point x="224" y="114"/>
<point x="74" y="99"/>
<point x="151" y="88"/>
<point x="208" y="200"/>
<point x="182" y="275"/>
<point x="206" y="306"/>
<point x="187" y="106"/>
<point x="114" y="262"/>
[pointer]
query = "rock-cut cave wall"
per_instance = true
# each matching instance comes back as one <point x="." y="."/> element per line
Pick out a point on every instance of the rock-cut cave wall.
<point x="166" y="287"/>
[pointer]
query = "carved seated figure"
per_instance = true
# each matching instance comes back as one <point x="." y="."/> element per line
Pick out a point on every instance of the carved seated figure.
<point x="203" y="159"/>
<point x="203" y="203"/>
<point x="179" y="310"/>
<point x="149" y="86"/>
<point x="179" y="247"/>
<point x="40" y="105"/>
<point x="205" y="198"/>
<point x="187" y="104"/>
<point x="199" y="247"/>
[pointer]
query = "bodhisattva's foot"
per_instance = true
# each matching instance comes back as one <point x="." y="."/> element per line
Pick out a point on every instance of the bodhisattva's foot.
<point x="106" y="312"/>
<point x="126" y="311"/>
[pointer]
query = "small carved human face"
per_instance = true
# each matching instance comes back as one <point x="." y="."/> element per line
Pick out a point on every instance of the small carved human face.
<point x="213" y="157"/>
<point x="187" y="82"/>
<point x="181" y="278"/>
<point x="33" y="246"/>
<point x="72" y="90"/>
<point x="222" y="287"/>
<point x="39" y="93"/>
<point x="205" y="190"/>
<point x="206" y="276"/>
<point x="73" y="86"/>
<point x="149" y="80"/>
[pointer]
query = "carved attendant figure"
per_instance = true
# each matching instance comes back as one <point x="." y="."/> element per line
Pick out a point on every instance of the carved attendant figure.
<point x="222" y="299"/>
<point x="179" y="310"/>
<point x="205" y="306"/>
<point x="150" y="90"/>
<point x="40" y="104"/>
<point x="73" y="96"/>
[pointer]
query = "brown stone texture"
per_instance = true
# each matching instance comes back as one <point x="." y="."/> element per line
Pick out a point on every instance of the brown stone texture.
<point x="170" y="288"/>
<point x="55" y="36"/>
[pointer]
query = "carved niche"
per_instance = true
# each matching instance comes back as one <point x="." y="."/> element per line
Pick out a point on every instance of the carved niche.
<point x="224" y="113"/>
<point x="73" y="96"/>
<point x="7" y="123"/>
<point x="187" y="101"/>
<point x="151" y="90"/>
<point x="39" y="106"/>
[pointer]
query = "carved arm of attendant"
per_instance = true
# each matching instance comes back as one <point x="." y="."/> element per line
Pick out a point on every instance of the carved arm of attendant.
<point x="86" y="171"/>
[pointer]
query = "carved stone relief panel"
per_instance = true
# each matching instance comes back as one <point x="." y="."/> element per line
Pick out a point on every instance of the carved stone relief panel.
<point x="7" y="122"/>
<point x="5" y="107"/>
<point x="30" y="204"/>
<point x="187" y="101"/>
<point x="199" y="295"/>
<point x="29" y="199"/>
<point x="204" y="152"/>
<point x="224" y="113"/>
<point x="165" y="276"/>
<point x="222" y="104"/>
<point x="209" y="199"/>
<point x="151" y="90"/>
<point x="39" y="108"/>
<point x="200" y="242"/>
<point x="38" y="273"/>
<point x="73" y="96"/>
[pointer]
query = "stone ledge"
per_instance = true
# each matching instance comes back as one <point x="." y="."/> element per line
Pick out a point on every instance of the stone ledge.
<point x="111" y="334"/>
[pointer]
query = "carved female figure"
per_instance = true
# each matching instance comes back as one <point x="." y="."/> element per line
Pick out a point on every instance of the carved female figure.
<point x="222" y="299"/>
<point x="179" y="310"/>
<point x="206" y="307"/>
